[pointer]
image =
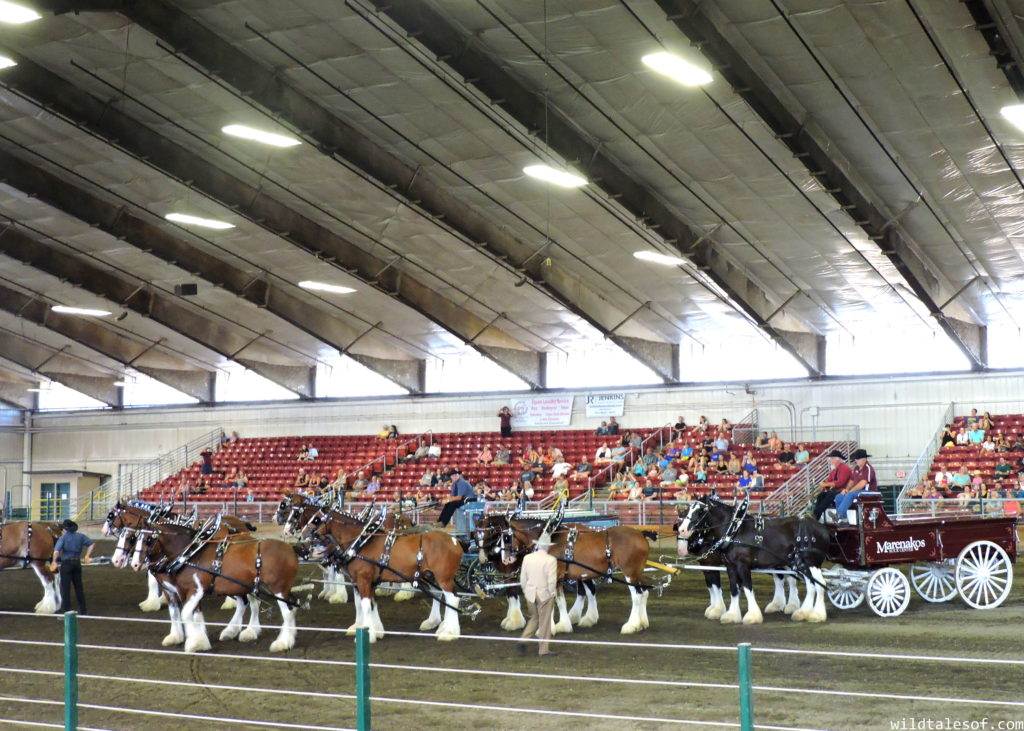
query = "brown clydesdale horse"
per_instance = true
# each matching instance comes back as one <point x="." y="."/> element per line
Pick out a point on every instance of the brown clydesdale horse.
<point x="25" y="544"/>
<point x="249" y="568"/>
<point x="595" y="554"/>
<point x="137" y="514"/>
<point x="434" y="555"/>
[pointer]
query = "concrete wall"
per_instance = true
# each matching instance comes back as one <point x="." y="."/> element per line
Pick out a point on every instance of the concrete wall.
<point x="896" y="416"/>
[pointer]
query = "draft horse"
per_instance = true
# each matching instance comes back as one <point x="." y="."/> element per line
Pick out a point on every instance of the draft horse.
<point x="744" y="542"/>
<point x="585" y="554"/>
<point x="370" y="555"/>
<point x="25" y="544"/>
<point x="191" y="565"/>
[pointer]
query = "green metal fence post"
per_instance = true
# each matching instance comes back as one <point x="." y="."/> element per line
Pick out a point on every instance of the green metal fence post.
<point x="746" y="689"/>
<point x="363" y="679"/>
<point x="71" y="671"/>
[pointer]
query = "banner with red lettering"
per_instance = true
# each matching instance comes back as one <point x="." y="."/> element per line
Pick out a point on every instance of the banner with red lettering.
<point x="536" y="411"/>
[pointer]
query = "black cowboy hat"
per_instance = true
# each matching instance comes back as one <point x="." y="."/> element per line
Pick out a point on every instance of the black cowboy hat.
<point x="859" y="454"/>
<point x="69" y="525"/>
<point x="836" y="453"/>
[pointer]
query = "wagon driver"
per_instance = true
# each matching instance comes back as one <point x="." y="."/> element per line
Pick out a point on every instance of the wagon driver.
<point x="837" y="481"/>
<point x="69" y="552"/>
<point x="539" y="579"/>
<point x="863" y="478"/>
<point x="462" y="493"/>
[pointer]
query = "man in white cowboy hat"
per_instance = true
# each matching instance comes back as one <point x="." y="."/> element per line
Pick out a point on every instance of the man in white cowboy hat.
<point x="863" y="479"/>
<point x="539" y="579"/>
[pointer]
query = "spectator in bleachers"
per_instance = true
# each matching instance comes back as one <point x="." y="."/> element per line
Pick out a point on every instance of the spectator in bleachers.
<point x="762" y="441"/>
<point x="323" y="483"/>
<point x="724" y="427"/>
<point x="757" y="481"/>
<point x="1017" y="443"/>
<point x="384" y="432"/>
<point x="943" y="478"/>
<point x="602" y="431"/>
<point x="673" y="451"/>
<point x="222" y="439"/>
<point x="700" y="474"/>
<point x="206" y="456"/>
<point x="301" y="479"/>
<point x="649" y="458"/>
<point x="434" y="451"/>
<point x="503" y="456"/>
<point x="635" y="492"/>
<point x="976" y="480"/>
<point x="303" y="453"/>
<point x="201" y="487"/>
<point x="750" y="463"/>
<point x="786" y="456"/>
<point x="962" y="437"/>
<point x="635" y="441"/>
<point x="373" y="486"/>
<point x="603" y="455"/>
<point x="484" y="491"/>
<point x="229" y="478"/>
<point x="613" y="427"/>
<point x="650" y="490"/>
<point x="669" y="475"/>
<point x="722" y="442"/>
<point x="393" y="432"/>
<point x="530" y="457"/>
<point x="683" y="496"/>
<point x="505" y="420"/>
<point x="619" y="454"/>
<point x="686" y="452"/>
<point x="241" y="479"/>
<point x="985" y="422"/>
<point x="703" y="425"/>
<point x="561" y="469"/>
<point x="429" y="479"/>
<point x="312" y="452"/>
<point x="1000" y="441"/>
<point x="1003" y="468"/>
<point x="484" y="456"/>
<point x="250" y="496"/>
<point x="988" y="445"/>
<point x="774" y="443"/>
<point x="583" y="468"/>
<point x="802" y="456"/>
<point x="961" y="478"/>
<point x="233" y="438"/>
<point x="420" y="453"/>
<point x="972" y="420"/>
<point x="679" y="428"/>
<point x="719" y="463"/>
<point x="360" y="482"/>
<point x="948" y="436"/>
<point x="977" y="435"/>
<point x="734" y="466"/>
<point x="745" y="481"/>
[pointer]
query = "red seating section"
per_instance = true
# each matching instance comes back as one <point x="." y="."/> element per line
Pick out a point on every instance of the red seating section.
<point x="950" y="458"/>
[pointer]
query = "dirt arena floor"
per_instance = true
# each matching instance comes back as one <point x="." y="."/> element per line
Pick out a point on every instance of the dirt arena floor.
<point x="677" y="617"/>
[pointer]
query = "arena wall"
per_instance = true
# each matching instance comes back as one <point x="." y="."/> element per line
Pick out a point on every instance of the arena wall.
<point x="895" y="415"/>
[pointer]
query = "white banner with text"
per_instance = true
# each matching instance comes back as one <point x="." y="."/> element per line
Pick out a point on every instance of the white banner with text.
<point x="600" y="405"/>
<point x="542" y="411"/>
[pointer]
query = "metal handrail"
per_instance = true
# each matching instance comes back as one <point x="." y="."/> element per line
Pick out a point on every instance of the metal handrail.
<point x="924" y="462"/>
<point x="792" y="496"/>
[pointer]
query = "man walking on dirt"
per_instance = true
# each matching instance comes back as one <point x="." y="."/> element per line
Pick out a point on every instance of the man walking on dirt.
<point x="69" y="552"/>
<point x="539" y="578"/>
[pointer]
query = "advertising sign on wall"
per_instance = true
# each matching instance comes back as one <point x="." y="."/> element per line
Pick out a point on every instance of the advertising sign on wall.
<point x="600" y="405"/>
<point x="542" y="411"/>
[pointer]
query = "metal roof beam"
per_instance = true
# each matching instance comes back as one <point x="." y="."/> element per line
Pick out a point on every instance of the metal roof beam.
<point x="1001" y="31"/>
<point x="14" y="389"/>
<point x="143" y="357"/>
<point x="478" y="68"/>
<point x="214" y="181"/>
<point x="162" y="308"/>
<point x="689" y="17"/>
<point x="54" y="364"/>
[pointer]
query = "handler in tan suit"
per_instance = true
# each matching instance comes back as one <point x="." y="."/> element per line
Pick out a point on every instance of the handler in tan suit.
<point x="539" y="579"/>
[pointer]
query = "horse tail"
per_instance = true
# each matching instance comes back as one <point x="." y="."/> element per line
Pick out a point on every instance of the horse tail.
<point x="651" y="535"/>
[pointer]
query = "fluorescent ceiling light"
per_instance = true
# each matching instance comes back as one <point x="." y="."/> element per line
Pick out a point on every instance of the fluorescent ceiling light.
<point x="63" y="309"/>
<point x="12" y="13"/>
<point x="551" y="175"/>
<point x="259" y="135"/>
<point x="34" y="390"/>
<point x="321" y="287"/>
<point x="676" y="68"/>
<point x="120" y="384"/>
<point x="654" y="256"/>
<point x="1015" y="115"/>
<point x="196" y="221"/>
<point x="6" y="63"/>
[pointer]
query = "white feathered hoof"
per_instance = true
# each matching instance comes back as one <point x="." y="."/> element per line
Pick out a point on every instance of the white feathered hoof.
<point x="325" y="593"/>
<point x="773" y="607"/>
<point x="515" y="622"/>
<point x="200" y="643"/>
<point x="447" y="636"/>
<point x="172" y="639"/>
<point x="790" y="609"/>
<point x="753" y="617"/>
<point x="281" y="644"/>
<point x="587" y="621"/>
<point x="338" y="597"/>
<point x="352" y="629"/>
<point x="229" y="603"/>
<point x="564" y="626"/>
<point x="229" y="633"/>
<point x="798" y="616"/>
<point x="629" y="628"/>
<point x="405" y="594"/>
<point x="714" y="612"/>
<point x="248" y="635"/>
<point x="816" y="616"/>
<point x="730" y="618"/>
<point x="428" y="624"/>
<point x="46" y="606"/>
<point x="150" y="605"/>
<point x="575" y="615"/>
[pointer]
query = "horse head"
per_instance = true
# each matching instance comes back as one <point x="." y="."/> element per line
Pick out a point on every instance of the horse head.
<point x="487" y="534"/>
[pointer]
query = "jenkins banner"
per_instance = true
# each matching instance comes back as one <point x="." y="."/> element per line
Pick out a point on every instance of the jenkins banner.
<point x="600" y="405"/>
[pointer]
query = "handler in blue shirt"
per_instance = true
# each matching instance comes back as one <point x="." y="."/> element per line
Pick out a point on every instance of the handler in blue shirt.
<point x="462" y="493"/>
<point x="69" y="552"/>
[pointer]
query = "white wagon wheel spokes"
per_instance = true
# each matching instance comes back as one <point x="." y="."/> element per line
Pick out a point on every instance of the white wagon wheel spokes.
<point x="845" y="597"/>
<point x="934" y="581"/>
<point x="888" y="592"/>
<point x="984" y="575"/>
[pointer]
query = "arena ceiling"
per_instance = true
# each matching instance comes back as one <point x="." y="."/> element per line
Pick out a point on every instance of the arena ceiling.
<point x="846" y="170"/>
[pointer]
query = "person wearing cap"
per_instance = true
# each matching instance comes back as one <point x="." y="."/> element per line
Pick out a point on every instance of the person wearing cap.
<point x="69" y="552"/>
<point x="862" y="478"/>
<point x="539" y="579"/>
<point x="836" y="482"/>
<point x="462" y="493"/>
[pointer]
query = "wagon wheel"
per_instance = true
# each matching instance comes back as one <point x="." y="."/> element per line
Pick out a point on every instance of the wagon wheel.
<point x="482" y="577"/>
<point x="888" y="592"/>
<point x="845" y="597"/>
<point x="462" y="576"/>
<point x="934" y="581"/>
<point x="983" y="575"/>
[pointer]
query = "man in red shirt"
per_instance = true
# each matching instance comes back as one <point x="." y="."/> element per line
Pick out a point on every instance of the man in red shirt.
<point x="863" y="479"/>
<point x="836" y="482"/>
